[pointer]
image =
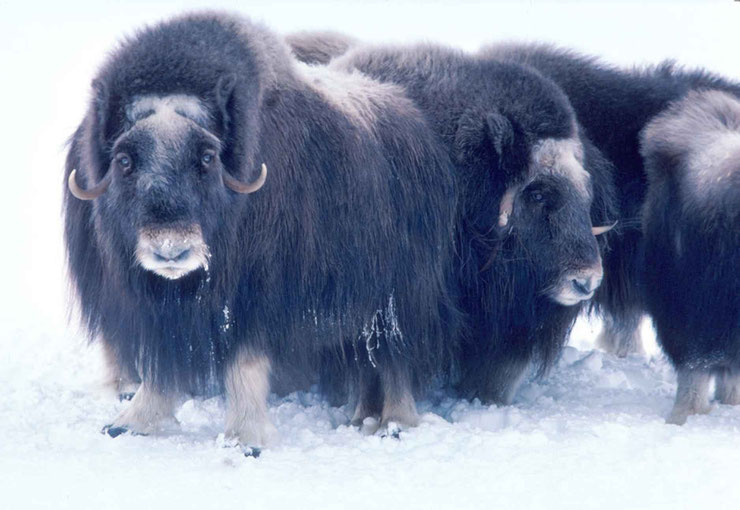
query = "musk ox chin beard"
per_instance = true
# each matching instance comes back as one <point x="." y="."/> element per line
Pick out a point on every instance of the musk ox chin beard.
<point x="172" y="252"/>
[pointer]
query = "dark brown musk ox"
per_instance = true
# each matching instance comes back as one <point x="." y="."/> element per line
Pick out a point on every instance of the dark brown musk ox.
<point x="231" y="212"/>
<point x="614" y="105"/>
<point x="690" y="226"/>
<point x="534" y="193"/>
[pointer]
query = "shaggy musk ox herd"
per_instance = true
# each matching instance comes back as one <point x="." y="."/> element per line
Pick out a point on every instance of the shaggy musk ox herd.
<point x="246" y="212"/>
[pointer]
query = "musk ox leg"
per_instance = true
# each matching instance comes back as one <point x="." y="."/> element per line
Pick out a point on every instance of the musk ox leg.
<point x="369" y="399"/>
<point x="621" y="336"/>
<point x="399" y="407"/>
<point x="149" y="412"/>
<point x="122" y="378"/>
<point x="728" y="387"/>
<point x="247" y="383"/>
<point x="502" y="381"/>
<point x="692" y="396"/>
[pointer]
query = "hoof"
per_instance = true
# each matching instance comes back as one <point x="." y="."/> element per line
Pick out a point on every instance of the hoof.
<point x="251" y="451"/>
<point x="392" y="430"/>
<point x="113" y="431"/>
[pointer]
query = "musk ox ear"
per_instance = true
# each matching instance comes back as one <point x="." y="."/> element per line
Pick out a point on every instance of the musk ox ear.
<point x="501" y="132"/>
<point x="483" y="138"/>
<point x="224" y="90"/>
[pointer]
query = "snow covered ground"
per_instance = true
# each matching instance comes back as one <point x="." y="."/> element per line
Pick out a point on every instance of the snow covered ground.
<point x="590" y="435"/>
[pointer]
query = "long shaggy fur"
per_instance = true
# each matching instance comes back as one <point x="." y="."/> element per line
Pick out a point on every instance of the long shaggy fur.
<point x="319" y="47"/>
<point x="613" y="105"/>
<point x="690" y="218"/>
<point x="347" y="246"/>
<point x="691" y="213"/>
<point x="491" y="117"/>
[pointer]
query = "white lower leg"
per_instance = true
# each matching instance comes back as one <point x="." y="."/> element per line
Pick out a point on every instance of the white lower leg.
<point x="399" y="405"/>
<point x="121" y="379"/>
<point x="247" y="382"/>
<point x="621" y="339"/>
<point x="149" y="412"/>
<point x="692" y="395"/>
<point x="728" y="388"/>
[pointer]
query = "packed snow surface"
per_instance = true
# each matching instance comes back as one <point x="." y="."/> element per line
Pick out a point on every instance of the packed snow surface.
<point x="590" y="435"/>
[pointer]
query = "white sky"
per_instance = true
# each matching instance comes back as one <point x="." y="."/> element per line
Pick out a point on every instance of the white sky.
<point x="49" y="53"/>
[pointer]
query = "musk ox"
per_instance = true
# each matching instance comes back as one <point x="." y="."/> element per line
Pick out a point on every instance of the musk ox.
<point x="231" y="212"/>
<point x="690" y="221"/>
<point x="530" y="191"/>
<point x="613" y="105"/>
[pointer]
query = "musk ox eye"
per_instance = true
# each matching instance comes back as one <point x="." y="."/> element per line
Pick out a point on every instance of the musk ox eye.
<point x="124" y="162"/>
<point x="208" y="157"/>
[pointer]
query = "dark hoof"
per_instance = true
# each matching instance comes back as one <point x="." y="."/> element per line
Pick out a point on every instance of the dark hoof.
<point x="251" y="451"/>
<point x="393" y="430"/>
<point x="396" y="434"/>
<point x="113" y="431"/>
<point x="117" y="431"/>
<point x="126" y="396"/>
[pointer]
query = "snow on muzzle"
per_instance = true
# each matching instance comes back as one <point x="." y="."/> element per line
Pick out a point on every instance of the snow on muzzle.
<point x="172" y="252"/>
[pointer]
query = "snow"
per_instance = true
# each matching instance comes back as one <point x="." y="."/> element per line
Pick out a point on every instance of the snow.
<point x="590" y="434"/>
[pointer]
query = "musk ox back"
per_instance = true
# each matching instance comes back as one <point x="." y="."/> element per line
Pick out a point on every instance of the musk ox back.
<point x="530" y="191"/>
<point x="691" y="214"/>
<point x="319" y="47"/>
<point x="235" y="213"/>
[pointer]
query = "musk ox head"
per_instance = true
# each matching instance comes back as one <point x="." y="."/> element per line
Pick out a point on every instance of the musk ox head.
<point x="165" y="189"/>
<point x="544" y="214"/>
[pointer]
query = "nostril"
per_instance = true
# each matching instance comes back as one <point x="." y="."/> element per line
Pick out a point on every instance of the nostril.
<point x="182" y="256"/>
<point x="582" y="285"/>
<point x="176" y="255"/>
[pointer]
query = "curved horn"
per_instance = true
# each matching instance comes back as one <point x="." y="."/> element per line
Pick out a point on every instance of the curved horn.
<point x="241" y="187"/>
<point x="603" y="229"/>
<point x="506" y="207"/>
<point x="87" y="194"/>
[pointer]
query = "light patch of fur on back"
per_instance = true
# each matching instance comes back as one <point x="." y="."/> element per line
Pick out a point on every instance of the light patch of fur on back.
<point x="353" y="93"/>
<point x="562" y="157"/>
<point x="701" y="133"/>
<point x="708" y="171"/>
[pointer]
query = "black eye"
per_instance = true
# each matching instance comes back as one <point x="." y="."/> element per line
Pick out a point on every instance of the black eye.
<point x="124" y="162"/>
<point x="537" y="196"/>
<point x="208" y="157"/>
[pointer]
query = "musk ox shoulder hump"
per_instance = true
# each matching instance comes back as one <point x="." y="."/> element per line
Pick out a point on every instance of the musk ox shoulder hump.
<point x="319" y="47"/>
<point x="359" y="97"/>
<point x="697" y="142"/>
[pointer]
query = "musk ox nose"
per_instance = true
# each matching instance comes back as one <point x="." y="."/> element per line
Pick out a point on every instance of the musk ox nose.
<point x="586" y="285"/>
<point x="172" y="253"/>
<point x="577" y="286"/>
